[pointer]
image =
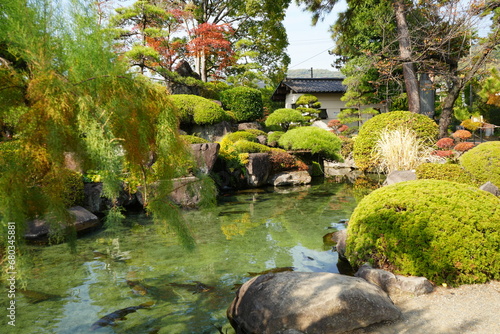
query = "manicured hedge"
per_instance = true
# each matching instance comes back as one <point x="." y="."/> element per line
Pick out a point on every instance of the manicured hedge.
<point x="245" y="103"/>
<point x="369" y="133"/>
<point x="446" y="172"/>
<point x="198" y="110"/>
<point x="483" y="162"/>
<point x="312" y="138"/>
<point x="446" y="231"/>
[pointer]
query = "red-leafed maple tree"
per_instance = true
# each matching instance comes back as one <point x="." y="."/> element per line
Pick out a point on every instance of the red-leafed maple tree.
<point x="211" y="48"/>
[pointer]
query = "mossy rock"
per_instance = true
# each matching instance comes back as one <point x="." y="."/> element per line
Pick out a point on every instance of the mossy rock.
<point x="312" y="138"/>
<point x="198" y="110"/>
<point x="483" y="162"/>
<point x="240" y="135"/>
<point x="190" y="139"/>
<point x="369" y="133"/>
<point x="445" y="231"/>
<point x="446" y="172"/>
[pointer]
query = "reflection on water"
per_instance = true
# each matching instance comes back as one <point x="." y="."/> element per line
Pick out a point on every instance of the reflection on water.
<point x="248" y="232"/>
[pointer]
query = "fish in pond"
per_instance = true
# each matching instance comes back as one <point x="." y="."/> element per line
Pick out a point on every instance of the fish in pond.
<point x="111" y="318"/>
<point x="273" y="270"/>
<point x="196" y="287"/>
<point x="138" y="288"/>
<point x="37" y="296"/>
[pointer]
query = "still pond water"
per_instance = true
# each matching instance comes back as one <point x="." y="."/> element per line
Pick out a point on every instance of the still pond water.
<point x="183" y="291"/>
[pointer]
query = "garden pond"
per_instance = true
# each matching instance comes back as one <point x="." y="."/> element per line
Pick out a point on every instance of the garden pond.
<point x="179" y="290"/>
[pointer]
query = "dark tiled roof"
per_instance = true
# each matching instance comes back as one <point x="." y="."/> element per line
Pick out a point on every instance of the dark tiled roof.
<point x="308" y="86"/>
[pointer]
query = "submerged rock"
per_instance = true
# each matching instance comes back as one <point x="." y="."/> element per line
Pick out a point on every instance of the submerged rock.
<point x="290" y="178"/>
<point x="320" y="303"/>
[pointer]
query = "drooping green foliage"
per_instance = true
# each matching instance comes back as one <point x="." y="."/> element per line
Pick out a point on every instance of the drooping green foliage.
<point x="245" y="103"/>
<point x="317" y="140"/>
<point x="446" y="172"/>
<point x="198" y="110"/>
<point x="74" y="94"/>
<point x="445" y="231"/>
<point x="483" y="162"/>
<point x="283" y="118"/>
<point x="364" y="143"/>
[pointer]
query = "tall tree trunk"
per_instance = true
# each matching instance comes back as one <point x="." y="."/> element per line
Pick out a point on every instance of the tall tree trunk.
<point x="409" y="71"/>
<point x="447" y="107"/>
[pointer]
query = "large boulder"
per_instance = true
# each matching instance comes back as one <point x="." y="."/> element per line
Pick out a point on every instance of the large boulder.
<point x="39" y="229"/>
<point x="205" y="155"/>
<point x="395" y="284"/>
<point x="320" y="303"/>
<point x="213" y="132"/>
<point x="186" y="193"/>
<point x="290" y="178"/>
<point x="258" y="169"/>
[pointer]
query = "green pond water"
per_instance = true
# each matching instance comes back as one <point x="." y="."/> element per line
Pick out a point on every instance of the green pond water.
<point x="248" y="232"/>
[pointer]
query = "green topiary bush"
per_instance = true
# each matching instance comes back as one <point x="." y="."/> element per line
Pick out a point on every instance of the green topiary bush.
<point x="244" y="102"/>
<point x="240" y="135"/>
<point x="312" y="138"/>
<point x="245" y="146"/>
<point x="483" y="162"/>
<point x="364" y="143"/>
<point x="198" y="110"/>
<point x="284" y="117"/>
<point x="257" y="132"/>
<point x="446" y="231"/>
<point x="446" y="172"/>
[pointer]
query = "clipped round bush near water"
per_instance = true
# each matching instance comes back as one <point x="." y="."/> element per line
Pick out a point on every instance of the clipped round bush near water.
<point x="483" y="162"/>
<point x="314" y="139"/>
<point x="198" y="110"/>
<point x="245" y="103"/>
<point x="363" y="150"/>
<point x="446" y="172"/>
<point x="445" y="231"/>
<point x="284" y="117"/>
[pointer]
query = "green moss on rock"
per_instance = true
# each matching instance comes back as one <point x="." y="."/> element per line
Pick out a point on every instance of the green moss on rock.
<point x="445" y="231"/>
<point x="483" y="162"/>
<point x="446" y="172"/>
<point x="369" y="133"/>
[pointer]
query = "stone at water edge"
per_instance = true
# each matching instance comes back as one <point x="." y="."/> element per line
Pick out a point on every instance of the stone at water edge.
<point x="257" y="169"/>
<point x="320" y="303"/>
<point x="290" y="178"/>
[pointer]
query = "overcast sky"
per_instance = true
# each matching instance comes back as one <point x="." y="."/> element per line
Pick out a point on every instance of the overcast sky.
<point x="309" y="45"/>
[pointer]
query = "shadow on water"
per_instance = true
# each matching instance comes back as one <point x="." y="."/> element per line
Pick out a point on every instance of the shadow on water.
<point x="248" y="232"/>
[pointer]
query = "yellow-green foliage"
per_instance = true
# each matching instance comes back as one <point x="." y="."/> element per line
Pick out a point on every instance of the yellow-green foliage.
<point x="364" y="143"/>
<point x="190" y="139"/>
<point x="273" y="137"/>
<point x="198" y="110"/>
<point x="240" y="135"/>
<point x="69" y="188"/>
<point x="446" y="172"/>
<point x="283" y="117"/>
<point x="245" y="103"/>
<point x="483" y="162"/>
<point x="446" y="231"/>
<point x="312" y="138"/>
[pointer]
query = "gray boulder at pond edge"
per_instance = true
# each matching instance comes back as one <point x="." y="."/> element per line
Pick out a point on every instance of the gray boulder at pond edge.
<point x="290" y="178"/>
<point x="319" y="303"/>
<point x="400" y="176"/>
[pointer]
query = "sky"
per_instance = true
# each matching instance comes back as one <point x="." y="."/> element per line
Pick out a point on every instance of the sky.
<point x="309" y="44"/>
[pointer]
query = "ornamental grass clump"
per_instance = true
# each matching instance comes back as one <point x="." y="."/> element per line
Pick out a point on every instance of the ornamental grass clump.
<point x="445" y="231"/>
<point x="400" y="149"/>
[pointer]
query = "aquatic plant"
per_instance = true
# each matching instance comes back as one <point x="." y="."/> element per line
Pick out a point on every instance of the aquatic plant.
<point x="446" y="231"/>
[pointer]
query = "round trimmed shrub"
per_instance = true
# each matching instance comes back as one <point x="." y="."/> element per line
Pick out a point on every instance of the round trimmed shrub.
<point x="244" y="102"/>
<point x="190" y="139"/>
<point x="445" y="231"/>
<point x="245" y="146"/>
<point x="233" y="137"/>
<point x="284" y="117"/>
<point x="446" y="172"/>
<point x="483" y="162"/>
<point x="364" y="143"/>
<point x="198" y="110"/>
<point x="312" y="138"/>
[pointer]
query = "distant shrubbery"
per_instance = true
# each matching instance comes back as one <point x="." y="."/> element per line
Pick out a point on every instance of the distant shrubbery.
<point x="445" y="231"/>
<point x="245" y="103"/>
<point x="283" y="118"/>
<point x="314" y="139"/>
<point x="198" y="110"/>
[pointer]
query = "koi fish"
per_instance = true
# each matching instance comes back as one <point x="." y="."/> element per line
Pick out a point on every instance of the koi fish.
<point x="111" y="318"/>
<point x="197" y="287"/>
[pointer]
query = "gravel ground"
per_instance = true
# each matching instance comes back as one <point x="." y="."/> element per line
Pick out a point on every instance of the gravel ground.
<point x="468" y="309"/>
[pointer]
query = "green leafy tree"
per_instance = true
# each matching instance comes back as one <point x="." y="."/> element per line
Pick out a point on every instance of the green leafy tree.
<point x="309" y="105"/>
<point x="284" y="117"/>
<point x="76" y="95"/>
